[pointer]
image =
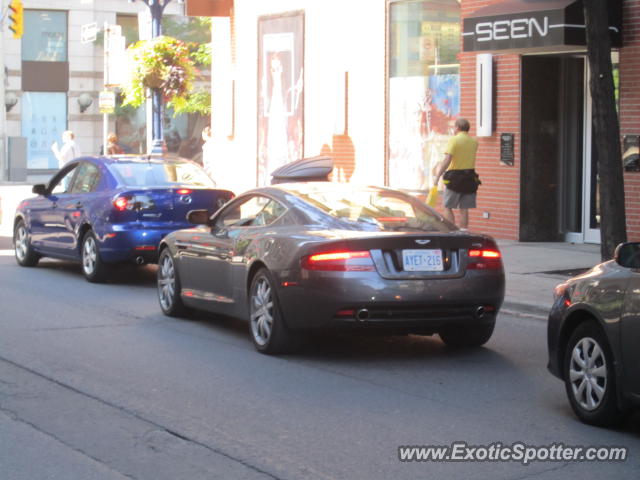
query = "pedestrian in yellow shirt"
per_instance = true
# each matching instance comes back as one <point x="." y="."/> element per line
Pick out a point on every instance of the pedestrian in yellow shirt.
<point x="458" y="168"/>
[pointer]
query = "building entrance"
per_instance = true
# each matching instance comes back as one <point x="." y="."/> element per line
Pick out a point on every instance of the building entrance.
<point x="559" y="190"/>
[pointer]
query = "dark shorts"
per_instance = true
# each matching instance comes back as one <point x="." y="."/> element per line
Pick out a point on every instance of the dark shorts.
<point x="458" y="200"/>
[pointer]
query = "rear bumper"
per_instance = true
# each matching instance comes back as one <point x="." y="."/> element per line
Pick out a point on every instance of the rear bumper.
<point x="333" y="300"/>
<point x="121" y="243"/>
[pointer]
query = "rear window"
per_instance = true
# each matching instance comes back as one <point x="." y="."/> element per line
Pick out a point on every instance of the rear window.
<point x="377" y="209"/>
<point x="157" y="174"/>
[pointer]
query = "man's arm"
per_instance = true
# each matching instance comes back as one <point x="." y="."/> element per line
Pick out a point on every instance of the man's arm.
<point x="441" y="168"/>
<point x="56" y="151"/>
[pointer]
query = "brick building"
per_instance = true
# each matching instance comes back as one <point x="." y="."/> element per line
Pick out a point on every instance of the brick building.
<point x="542" y="97"/>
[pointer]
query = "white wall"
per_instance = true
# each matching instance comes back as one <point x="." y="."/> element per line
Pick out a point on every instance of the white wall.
<point x="340" y="35"/>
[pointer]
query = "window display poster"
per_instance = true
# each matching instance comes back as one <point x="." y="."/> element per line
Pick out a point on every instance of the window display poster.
<point x="422" y="113"/>
<point x="280" y="92"/>
<point x="45" y="36"/>
<point x="44" y="118"/>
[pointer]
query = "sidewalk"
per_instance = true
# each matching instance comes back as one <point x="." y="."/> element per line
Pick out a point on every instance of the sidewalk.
<point x="534" y="269"/>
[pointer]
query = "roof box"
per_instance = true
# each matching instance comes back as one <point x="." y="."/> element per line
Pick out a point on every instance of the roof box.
<point x="312" y="169"/>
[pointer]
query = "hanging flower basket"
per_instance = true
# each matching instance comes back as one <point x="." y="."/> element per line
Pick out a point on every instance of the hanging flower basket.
<point x="160" y="63"/>
<point x="153" y="79"/>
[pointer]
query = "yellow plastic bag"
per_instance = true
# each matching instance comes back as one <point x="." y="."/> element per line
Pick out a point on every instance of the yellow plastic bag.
<point x="432" y="198"/>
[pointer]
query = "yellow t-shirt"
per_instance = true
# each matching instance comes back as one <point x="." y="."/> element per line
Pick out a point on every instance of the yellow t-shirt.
<point x="462" y="149"/>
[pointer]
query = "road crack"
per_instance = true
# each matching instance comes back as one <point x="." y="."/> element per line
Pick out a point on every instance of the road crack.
<point x="133" y="414"/>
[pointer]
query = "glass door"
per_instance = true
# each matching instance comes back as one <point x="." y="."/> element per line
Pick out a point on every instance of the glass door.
<point x="579" y="163"/>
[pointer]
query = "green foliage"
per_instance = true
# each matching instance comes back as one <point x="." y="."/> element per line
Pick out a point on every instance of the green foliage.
<point x="171" y="65"/>
<point x="197" y="102"/>
<point x="187" y="29"/>
<point x="202" y="54"/>
<point x="164" y="63"/>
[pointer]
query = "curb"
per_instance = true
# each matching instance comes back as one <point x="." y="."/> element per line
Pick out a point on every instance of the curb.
<point x="513" y="307"/>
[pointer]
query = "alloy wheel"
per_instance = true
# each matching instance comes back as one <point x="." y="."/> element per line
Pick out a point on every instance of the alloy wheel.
<point x="261" y="311"/>
<point x="21" y="243"/>
<point x="588" y="373"/>
<point x="166" y="282"/>
<point x="89" y="255"/>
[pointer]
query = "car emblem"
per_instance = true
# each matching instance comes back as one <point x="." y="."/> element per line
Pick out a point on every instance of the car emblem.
<point x="422" y="242"/>
<point x="185" y="199"/>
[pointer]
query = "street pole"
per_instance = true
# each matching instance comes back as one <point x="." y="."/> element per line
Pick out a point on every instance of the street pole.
<point x="3" y="113"/>
<point x="156" y="8"/>
<point x="105" y="116"/>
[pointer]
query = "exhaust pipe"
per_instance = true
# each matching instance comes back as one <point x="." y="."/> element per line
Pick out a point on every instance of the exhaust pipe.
<point x="140" y="260"/>
<point x="480" y="312"/>
<point x="362" y="315"/>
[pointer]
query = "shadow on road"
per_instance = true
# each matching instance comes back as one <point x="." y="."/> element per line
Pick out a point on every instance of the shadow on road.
<point x="123" y="274"/>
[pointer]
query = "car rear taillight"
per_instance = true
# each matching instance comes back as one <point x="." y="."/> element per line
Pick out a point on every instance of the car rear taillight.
<point x="339" y="262"/>
<point x="484" y="259"/>
<point x="183" y="191"/>
<point x="133" y="202"/>
<point x="120" y="203"/>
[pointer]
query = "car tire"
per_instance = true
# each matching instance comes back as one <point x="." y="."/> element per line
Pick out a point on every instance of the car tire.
<point x="589" y="376"/>
<point x="26" y="256"/>
<point x="169" y="287"/>
<point x="468" y="336"/>
<point x="93" y="268"/>
<point x="269" y="332"/>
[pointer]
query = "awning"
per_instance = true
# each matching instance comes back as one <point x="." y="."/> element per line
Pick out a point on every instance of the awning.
<point x="209" y="8"/>
<point x="536" y="25"/>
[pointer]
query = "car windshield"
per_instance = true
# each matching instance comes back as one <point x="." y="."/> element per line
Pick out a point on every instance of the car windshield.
<point x="381" y="209"/>
<point x="157" y="173"/>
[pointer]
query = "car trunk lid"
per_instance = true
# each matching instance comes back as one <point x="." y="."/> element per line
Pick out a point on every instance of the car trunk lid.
<point x="167" y="204"/>
<point x="422" y="256"/>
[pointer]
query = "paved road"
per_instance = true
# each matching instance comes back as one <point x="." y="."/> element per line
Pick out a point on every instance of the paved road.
<point x="96" y="384"/>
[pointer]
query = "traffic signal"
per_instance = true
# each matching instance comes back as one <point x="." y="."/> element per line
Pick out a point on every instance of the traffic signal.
<point x="16" y="15"/>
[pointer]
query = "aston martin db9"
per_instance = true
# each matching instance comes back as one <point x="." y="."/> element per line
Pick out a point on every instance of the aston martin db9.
<point x="296" y="257"/>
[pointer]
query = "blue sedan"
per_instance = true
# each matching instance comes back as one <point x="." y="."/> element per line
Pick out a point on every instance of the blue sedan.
<point x="106" y="210"/>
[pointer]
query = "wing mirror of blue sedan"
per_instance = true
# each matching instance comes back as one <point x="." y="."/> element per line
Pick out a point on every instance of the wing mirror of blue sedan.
<point x="628" y="255"/>
<point x="198" y="217"/>
<point x="39" y="189"/>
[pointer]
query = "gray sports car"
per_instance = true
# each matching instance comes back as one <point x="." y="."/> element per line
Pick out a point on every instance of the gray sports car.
<point x="297" y="257"/>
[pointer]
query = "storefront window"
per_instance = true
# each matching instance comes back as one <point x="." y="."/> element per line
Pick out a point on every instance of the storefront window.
<point x="45" y="36"/>
<point x="44" y="118"/>
<point x="424" y="87"/>
<point x="182" y="133"/>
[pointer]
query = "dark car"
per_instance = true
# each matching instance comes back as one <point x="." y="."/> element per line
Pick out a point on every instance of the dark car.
<point x="593" y="336"/>
<point x="305" y="256"/>
<point x="103" y="210"/>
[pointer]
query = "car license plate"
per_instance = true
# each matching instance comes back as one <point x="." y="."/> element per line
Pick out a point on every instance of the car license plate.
<point x="422" y="260"/>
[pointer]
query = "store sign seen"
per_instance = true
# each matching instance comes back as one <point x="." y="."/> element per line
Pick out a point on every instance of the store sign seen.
<point x="500" y="26"/>
<point x="508" y="29"/>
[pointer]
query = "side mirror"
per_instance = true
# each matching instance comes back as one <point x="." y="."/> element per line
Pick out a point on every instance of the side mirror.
<point x="628" y="255"/>
<point x="39" y="189"/>
<point x="198" y="217"/>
